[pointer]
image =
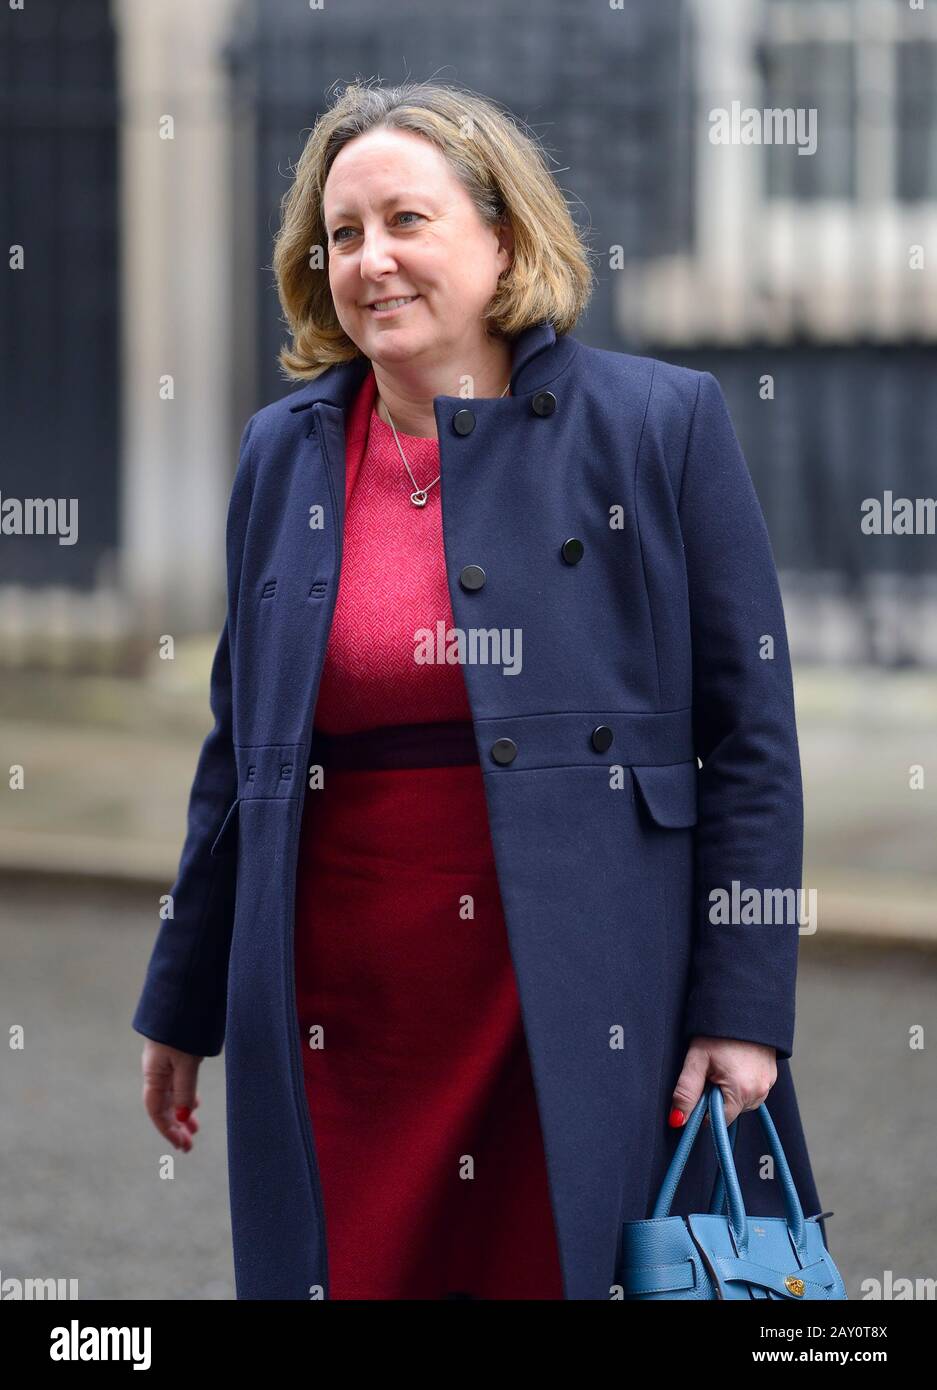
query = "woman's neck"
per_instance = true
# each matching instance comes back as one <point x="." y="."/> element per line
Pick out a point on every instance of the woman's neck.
<point x="410" y="400"/>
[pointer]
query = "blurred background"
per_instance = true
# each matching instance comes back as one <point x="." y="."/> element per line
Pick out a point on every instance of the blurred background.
<point x="145" y="150"/>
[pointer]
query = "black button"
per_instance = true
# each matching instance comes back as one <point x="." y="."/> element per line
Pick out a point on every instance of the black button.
<point x="601" y="738"/>
<point x="504" y="750"/>
<point x="463" y="422"/>
<point x="544" y="403"/>
<point x="472" y="577"/>
<point x="572" y="551"/>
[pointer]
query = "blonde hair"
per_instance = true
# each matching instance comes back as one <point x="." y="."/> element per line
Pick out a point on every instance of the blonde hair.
<point x="505" y="174"/>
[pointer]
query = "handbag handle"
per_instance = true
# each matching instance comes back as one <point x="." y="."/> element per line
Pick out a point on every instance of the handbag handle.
<point x="718" y="1204"/>
<point x="712" y="1098"/>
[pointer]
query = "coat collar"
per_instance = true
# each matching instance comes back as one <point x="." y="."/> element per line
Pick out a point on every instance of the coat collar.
<point x="538" y="355"/>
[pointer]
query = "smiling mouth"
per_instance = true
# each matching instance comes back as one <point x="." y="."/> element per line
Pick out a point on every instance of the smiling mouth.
<point x="390" y="306"/>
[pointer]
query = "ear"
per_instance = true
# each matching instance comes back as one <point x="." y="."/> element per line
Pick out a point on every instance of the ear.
<point x="506" y="241"/>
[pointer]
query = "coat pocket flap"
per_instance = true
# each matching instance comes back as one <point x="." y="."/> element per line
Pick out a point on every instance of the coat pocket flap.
<point x="226" y="840"/>
<point x="669" y="792"/>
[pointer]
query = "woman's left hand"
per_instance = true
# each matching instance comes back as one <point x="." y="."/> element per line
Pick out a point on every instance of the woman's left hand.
<point x="743" y="1071"/>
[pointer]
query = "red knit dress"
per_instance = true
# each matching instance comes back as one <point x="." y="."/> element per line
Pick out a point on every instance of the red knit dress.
<point x="419" y="1086"/>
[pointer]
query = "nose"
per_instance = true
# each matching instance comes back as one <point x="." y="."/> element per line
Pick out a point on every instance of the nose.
<point x="376" y="257"/>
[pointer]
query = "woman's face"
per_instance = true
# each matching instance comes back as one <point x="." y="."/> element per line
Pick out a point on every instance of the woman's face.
<point x="401" y="225"/>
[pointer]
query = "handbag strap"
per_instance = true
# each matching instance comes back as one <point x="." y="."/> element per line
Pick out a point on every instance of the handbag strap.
<point x="681" y="1153"/>
<point x="712" y="1099"/>
<point x="718" y="1205"/>
<point x="737" y="1216"/>
<point x="816" y="1279"/>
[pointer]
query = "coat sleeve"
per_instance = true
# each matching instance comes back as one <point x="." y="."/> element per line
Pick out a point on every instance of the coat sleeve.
<point x="184" y="996"/>
<point x="750" y="826"/>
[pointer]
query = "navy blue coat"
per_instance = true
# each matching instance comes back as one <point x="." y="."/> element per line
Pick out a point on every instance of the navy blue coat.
<point x="605" y="855"/>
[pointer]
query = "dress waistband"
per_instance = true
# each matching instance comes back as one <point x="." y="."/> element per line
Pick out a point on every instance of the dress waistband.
<point x="436" y="744"/>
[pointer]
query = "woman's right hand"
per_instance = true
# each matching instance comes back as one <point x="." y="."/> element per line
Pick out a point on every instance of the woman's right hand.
<point x="169" y="1095"/>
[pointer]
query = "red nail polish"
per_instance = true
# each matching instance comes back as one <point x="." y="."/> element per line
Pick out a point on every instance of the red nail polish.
<point x="182" y="1112"/>
<point x="676" y="1118"/>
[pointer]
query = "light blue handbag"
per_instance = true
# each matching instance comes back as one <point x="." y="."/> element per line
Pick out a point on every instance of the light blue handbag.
<point x="727" y="1255"/>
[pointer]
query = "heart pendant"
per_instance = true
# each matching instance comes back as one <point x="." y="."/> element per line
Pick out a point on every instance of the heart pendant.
<point x="418" y="499"/>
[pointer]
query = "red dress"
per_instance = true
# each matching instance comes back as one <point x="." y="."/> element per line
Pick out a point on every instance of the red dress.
<point x="419" y="1087"/>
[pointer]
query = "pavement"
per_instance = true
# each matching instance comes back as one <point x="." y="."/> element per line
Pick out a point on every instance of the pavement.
<point x="90" y="1191"/>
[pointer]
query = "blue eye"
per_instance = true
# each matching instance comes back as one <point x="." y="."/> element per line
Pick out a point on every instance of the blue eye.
<point x="337" y="234"/>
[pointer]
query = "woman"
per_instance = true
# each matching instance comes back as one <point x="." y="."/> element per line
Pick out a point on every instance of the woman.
<point x="478" y="799"/>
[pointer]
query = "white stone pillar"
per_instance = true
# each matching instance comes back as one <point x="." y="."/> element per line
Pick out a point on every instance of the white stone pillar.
<point x="177" y="243"/>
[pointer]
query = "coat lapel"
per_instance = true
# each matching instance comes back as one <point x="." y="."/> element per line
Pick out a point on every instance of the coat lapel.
<point x="343" y="396"/>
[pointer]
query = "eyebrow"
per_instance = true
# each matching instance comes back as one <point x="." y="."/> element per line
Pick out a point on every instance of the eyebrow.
<point x="393" y="198"/>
